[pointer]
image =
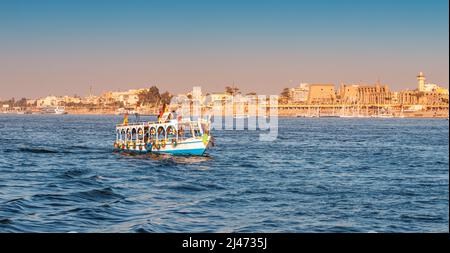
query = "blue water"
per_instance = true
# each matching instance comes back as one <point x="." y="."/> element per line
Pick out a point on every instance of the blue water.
<point x="59" y="174"/>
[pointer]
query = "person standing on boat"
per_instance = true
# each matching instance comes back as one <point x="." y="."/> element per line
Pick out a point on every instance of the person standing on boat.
<point x="125" y="119"/>
<point x="161" y="113"/>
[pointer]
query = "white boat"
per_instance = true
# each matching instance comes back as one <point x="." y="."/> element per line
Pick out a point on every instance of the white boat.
<point x="383" y="113"/>
<point x="241" y="116"/>
<point x="60" y="110"/>
<point x="168" y="136"/>
<point x="54" y="110"/>
<point x="387" y="115"/>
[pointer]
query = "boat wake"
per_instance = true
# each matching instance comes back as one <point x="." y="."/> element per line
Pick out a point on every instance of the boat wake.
<point x="176" y="159"/>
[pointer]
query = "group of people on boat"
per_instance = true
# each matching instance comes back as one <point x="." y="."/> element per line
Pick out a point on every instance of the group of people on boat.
<point x="161" y="119"/>
<point x="164" y="135"/>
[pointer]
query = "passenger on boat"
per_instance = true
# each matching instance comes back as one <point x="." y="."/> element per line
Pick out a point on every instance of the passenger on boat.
<point x="161" y="113"/>
<point x="181" y="131"/>
<point x="160" y="116"/>
<point x="125" y="119"/>
<point x="197" y="133"/>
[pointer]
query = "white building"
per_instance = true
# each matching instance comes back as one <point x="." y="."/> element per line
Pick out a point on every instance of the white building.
<point x="429" y="87"/>
<point x="197" y="93"/>
<point x="218" y="97"/>
<point x="68" y="99"/>
<point x="49" y="101"/>
<point x="128" y="98"/>
<point x="300" y="94"/>
<point x="31" y="102"/>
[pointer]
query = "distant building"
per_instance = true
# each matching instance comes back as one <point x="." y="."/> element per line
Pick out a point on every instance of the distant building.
<point x="421" y="81"/>
<point x="31" y="102"/>
<point x="349" y="94"/>
<point x="197" y="93"/>
<point x="300" y="94"/>
<point x="321" y="94"/>
<point x="94" y="100"/>
<point x="49" y="101"/>
<point x="129" y="98"/>
<point x="429" y="87"/>
<point x="365" y="94"/>
<point x="408" y="97"/>
<point x="415" y="97"/>
<point x="395" y="98"/>
<point x="222" y="97"/>
<point x="5" y="108"/>
<point x="71" y="100"/>
<point x="377" y="94"/>
<point x="425" y="94"/>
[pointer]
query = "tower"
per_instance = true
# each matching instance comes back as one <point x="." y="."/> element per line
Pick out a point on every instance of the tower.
<point x="421" y="80"/>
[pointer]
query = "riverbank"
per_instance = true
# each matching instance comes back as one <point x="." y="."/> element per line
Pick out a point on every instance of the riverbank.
<point x="423" y="115"/>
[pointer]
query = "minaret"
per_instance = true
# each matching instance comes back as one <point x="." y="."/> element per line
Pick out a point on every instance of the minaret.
<point x="421" y="80"/>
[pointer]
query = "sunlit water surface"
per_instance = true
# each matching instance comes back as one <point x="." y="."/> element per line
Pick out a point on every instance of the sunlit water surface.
<point x="60" y="174"/>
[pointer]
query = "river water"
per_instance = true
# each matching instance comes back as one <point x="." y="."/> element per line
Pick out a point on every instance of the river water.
<point x="60" y="174"/>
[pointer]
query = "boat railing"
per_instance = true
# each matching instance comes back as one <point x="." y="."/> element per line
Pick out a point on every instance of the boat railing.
<point x="133" y="124"/>
<point x="147" y="123"/>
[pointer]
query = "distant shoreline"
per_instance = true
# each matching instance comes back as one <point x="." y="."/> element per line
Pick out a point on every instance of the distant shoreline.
<point x="279" y="116"/>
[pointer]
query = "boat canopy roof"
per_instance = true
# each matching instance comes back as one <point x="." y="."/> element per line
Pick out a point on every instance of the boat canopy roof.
<point x="172" y="122"/>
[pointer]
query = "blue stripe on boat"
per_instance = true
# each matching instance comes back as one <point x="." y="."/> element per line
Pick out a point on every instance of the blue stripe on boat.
<point x="198" y="151"/>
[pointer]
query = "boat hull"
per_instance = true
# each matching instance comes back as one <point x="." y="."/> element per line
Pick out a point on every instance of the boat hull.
<point x="196" y="147"/>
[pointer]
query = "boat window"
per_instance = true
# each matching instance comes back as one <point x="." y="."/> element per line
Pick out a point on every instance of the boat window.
<point x="152" y="133"/>
<point x="140" y="134"/>
<point x="133" y="134"/>
<point x="197" y="131"/>
<point x="146" y="134"/>
<point x="128" y="135"/>
<point x="161" y="133"/>
<point x="185" y="131"/>
<point x="171" y="133"/>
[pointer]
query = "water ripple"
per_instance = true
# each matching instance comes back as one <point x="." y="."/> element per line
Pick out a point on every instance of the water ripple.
<point x="320" y="175"/>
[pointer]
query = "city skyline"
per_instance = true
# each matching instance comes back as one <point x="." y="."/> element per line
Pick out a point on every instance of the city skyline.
<point x="64" y="47"/>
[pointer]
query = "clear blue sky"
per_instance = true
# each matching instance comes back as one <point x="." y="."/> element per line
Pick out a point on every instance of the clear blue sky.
<point x="62" y="47"/>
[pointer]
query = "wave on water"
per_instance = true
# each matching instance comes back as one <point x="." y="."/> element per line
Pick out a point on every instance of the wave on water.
<point x="38" y="150"/>
<point x="5" y="221"/>
<point x="171" y="159"/>
<point x="323" y="178"/>
<point x="75" y="173"/>
<point x="99" y="194"/>
<point x="187" y="188"/>
<point x="80" y="147"/>
<point x="59" y="150"/>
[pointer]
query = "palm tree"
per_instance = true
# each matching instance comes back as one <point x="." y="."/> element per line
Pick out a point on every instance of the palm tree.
<point x="285" y="95"/>
<point x="166" y="97"/>
<point x="233" y="90"/>
<point x="150" y="96"/>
